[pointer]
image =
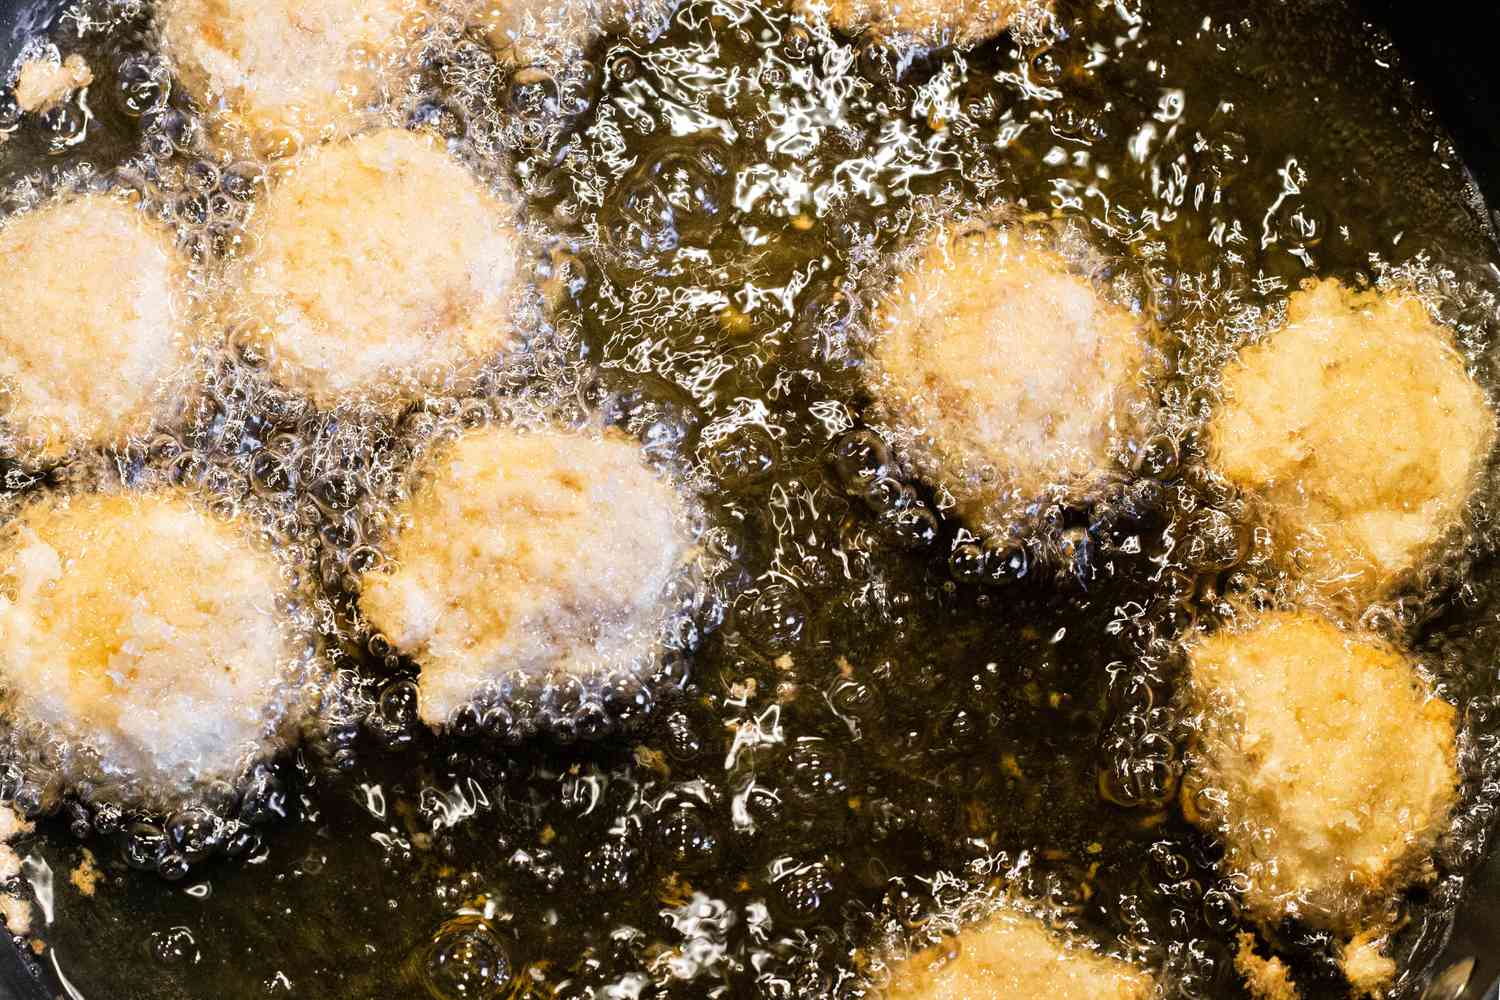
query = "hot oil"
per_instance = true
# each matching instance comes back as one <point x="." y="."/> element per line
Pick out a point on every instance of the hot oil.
<point x="893" y="714"/>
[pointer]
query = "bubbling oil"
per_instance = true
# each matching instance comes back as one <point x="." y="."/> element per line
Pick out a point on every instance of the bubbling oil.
<point x="884" y="720"/>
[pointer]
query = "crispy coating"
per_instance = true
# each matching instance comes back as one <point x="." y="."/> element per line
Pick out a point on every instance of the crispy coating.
<point x="377" y="264"/>
<point x="961" y="23"/>
<point x="1323" y="761"/>
<point x="1015" y="956"/>
<point x="535" y="551"/>
<point x="93" y="300"/>
<point x="1265" y="978"/>
<point x="1009" y="369"/>
<point x="43" y="83"/>
<point x="144" y="629"/>
<point x="1365" y="965"/>
<point x="290" y="73"/>
<point x="1359" y="424"/>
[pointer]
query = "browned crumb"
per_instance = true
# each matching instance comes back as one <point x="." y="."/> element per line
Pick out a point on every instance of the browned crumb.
<point x="15" y="913"/>
<point x="86" y="876"/>
<point x="1265" y="978"/>
<point x="1367" y="968"/>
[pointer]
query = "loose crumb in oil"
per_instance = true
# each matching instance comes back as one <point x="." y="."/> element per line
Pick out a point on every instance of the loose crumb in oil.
<point x="44" y="84"/>
<point x="86" y="876"/>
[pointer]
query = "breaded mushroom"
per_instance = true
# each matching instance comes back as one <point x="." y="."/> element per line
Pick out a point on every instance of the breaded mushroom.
<point x="1013" y="956"/>
<point x="144" y="633"/>
<point x="961" y="23"/>
<point x="378" y="265"/>
<point x="285" y="74"/>
<point x="1007" y="370"/>
<point x="533" y="550"/>
<point x="1323" y="761"/>
<point x="1360" y="426"/>
<point x="93" y="320"/>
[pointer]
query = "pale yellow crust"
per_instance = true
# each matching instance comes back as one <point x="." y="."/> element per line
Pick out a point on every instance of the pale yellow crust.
<point x="527" y="550"/>
<point x="1324" y="763"/>
<point x="377" y="265"/>
<point x="93" y="319"/>
<point x="142" y="627"/>
<point x="1360" y="426"/>
<point x="1013" y="956"/>
<point x="285" y="74"/>
<point x="930" y="22"/>
<point x="1009" y="368"/>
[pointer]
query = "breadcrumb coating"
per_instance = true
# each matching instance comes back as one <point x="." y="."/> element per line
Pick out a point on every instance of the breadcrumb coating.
<point x="1360" y="426"/>
<point x="288" y="73"/>
<point x="1015" y="956"/>
<point x="43" y="84"/>
<point x="530" y="550"/>
<point x="1323" y="761"/>
<point x="377" y="265"/>
<point x="1013" y="374"/>
<point x="93" y="307"/>
<point x="142" y="628"/>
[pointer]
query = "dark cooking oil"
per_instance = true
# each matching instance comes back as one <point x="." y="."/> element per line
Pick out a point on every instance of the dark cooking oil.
<point x="892" y="714"/>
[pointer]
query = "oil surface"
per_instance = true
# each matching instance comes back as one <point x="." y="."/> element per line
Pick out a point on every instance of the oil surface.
<point x="884" y="721"/>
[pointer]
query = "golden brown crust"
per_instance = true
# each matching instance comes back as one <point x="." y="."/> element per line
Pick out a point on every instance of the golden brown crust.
<point x="93" y="305"/>
<point x="1359" y="424"/>
<point x="1017" y="957"/>
<point x="1006" y="364"/>
<point x="377" y="264"/>
<point x="534" y="551"/>
<point x="1324" y="763"/>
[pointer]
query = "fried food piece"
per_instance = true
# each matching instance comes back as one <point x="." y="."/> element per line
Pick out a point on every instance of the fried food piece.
<point x="1265" y="978"/>
<point x="93" y="306"/>
<point x="285" y="74"/>
<point x="1011" y="374"/>
<point x="1323" y="761"/>
<point x="1365" y="965"/>
<point x="141" y="629"/>
<point x="1012" y="956"/>
<point x="540" y="550"/>
<point x="961" y="23"/>
<point x="377" y="264"/>
<point x="43" y="83"/>
<point x="1360" y="426"/>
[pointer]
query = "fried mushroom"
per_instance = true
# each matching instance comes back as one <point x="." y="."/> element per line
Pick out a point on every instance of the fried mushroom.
<point x="534" y="550"/>
<point x="1012" y="378"/>
<point x="94" y="304"/>
<point x="1359" y="425"/>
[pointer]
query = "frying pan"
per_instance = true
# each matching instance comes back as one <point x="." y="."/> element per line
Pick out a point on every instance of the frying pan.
<point x="1452" y="58"/>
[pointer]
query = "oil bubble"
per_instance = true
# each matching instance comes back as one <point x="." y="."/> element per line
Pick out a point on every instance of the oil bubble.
<point x="466" y="960"/>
